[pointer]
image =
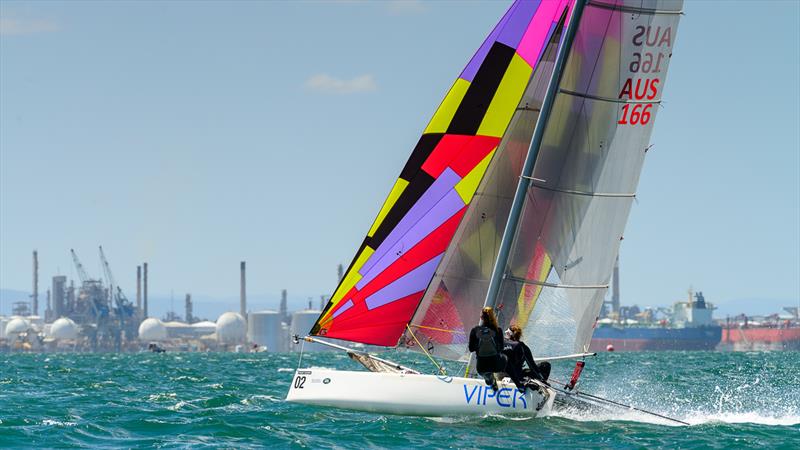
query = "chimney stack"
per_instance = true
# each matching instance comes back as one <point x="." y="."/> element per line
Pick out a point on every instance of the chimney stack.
<point x="48" y="313"/>
<point x="283" y="310"/>
<point x="138" y="289"/>
<point x="242" y="290"/>
<point x="189" y="312"/>
<point x="145" y="290"/>
<point x="35" y="296"/>
<point x="340" y="271"/>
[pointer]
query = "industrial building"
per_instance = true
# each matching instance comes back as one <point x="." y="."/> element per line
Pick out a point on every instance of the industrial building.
<point x="95" y="315"/>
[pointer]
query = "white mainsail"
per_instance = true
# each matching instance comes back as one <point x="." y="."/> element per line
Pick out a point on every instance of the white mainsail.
<point x="579" y="194"/>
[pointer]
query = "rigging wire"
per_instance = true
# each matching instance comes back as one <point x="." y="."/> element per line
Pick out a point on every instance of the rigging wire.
<point x="424" y="350"/>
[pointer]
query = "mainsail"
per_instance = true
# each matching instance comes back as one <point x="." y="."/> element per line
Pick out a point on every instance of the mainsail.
<point x="579" y="195"/>
<point x="395" y="264"/>
<point x="430" y="259"/>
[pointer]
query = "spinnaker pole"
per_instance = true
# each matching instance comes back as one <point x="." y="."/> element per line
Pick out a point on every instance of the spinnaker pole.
<point x="530" y="159"/>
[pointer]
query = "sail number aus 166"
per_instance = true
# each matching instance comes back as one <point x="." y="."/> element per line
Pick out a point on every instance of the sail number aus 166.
<point x="653" y="44"/>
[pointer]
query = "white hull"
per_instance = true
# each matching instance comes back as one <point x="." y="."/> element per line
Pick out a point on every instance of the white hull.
<point x="413" y="394"/>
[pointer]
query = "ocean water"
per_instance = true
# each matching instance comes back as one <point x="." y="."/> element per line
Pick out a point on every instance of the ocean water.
<point x="228" y="400"/>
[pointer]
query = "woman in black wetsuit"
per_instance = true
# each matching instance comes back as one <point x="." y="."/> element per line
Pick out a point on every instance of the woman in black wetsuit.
<point x="486" y="340"/>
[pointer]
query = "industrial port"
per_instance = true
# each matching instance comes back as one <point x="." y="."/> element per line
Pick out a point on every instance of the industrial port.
<point x="690" y="325"/>
<point x="95" y="315"/>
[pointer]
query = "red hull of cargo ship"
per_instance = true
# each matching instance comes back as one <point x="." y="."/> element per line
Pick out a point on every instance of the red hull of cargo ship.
<point x="736" y="338"/>
<point x="639" y="345"/>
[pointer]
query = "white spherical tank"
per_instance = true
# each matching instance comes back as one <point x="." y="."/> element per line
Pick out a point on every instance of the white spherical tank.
<point x="264" y="329"/>
<point x="64" y="328"/>
<point x="152" y="329"/>
<point x="231" y="328"/>
<point x="302" y="322"/>
<point x="16" y="326"/>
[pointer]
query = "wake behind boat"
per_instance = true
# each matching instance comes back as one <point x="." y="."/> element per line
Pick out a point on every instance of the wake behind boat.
<point x="515" y="198"/>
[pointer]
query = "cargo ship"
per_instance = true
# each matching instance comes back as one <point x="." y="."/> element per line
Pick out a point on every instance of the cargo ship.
<point x="687" y="326"/>
<point x="774" y="332"/>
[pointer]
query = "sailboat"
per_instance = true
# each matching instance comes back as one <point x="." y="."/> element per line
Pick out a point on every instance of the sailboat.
<point x="515" y="197"/>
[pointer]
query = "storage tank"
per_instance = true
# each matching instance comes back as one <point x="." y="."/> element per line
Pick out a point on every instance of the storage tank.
<point x="264" y="329"/>
<point x="15" y="327"/>
<point x="302" y="322"/>
<point x="152" y="329"/>
<point x="231" y="328"/>
<point x="64" y="329"/>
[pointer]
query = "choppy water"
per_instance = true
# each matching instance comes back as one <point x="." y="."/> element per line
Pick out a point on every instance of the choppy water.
<point x="236" y="400"/>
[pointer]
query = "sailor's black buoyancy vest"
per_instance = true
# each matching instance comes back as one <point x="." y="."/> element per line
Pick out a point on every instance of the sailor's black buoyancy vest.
<point x="487" y="347"/>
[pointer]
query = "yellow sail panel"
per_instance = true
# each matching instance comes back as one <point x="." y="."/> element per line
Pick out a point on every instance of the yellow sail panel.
<point x="349" y="280"/>
<point x="507" y="97"/>
<point x="444" y="115"/>
<point x="539" y="269"/>
<point x="397" y="189"/>
<point x="466" y="187"/>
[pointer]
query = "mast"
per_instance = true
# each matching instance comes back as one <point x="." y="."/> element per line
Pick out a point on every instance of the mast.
<point x="530" y="159"/>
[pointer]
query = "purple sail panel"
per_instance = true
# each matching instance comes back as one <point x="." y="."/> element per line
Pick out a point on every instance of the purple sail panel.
<point x="415" y="281"/>
<point x="444" y="184"/>
<point x="439" y="214"/>
<point x="517" y="24"/>
<point x="343" y="308"/>
<point x="477" y="59"/>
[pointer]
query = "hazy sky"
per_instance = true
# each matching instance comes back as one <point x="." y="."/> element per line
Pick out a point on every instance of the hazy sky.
<point x="194" y="135"/>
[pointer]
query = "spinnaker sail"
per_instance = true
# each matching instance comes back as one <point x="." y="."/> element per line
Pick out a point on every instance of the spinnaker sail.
<point x="395" y="264"/>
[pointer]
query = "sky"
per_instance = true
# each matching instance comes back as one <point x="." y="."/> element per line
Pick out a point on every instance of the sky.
<point x="194" y="135"/>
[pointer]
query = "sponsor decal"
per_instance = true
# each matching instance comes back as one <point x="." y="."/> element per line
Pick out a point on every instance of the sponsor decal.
<point x="505" y="397"/>
<point x="326" y="381"/>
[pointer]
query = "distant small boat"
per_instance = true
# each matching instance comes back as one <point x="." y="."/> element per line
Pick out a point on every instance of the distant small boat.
<point x="515" y="197"/>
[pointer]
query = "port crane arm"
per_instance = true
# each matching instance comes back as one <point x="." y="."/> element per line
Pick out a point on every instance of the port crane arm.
<point x="79" y="267"/>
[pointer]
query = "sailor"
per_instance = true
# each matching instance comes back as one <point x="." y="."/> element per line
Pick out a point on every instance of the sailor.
<point x="519" y="354"/>
<point x="486" y="340"/>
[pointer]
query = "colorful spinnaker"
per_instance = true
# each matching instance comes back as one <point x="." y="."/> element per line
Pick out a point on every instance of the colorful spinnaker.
<point x="397" y="260"/>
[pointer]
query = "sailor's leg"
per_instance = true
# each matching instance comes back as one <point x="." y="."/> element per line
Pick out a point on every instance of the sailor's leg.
<point x="544" y="370"/>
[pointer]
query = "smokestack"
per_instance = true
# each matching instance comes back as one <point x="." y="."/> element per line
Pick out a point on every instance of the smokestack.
<point x="340" y="271"/>
<point x="48" y="313"/>
<point x="321" y="302"/>
<point x="189" y="312"/>
<point x="145" y="290"/>
<point x="138" y="289"/>
<point x="242" y="290"/>
<point x="615" y="287"/>
<point x="35" y="295"/>
<point x="283" y="310"/>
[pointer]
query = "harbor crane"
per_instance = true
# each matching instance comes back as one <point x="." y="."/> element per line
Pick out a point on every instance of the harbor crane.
<point x="122" y="306"/>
